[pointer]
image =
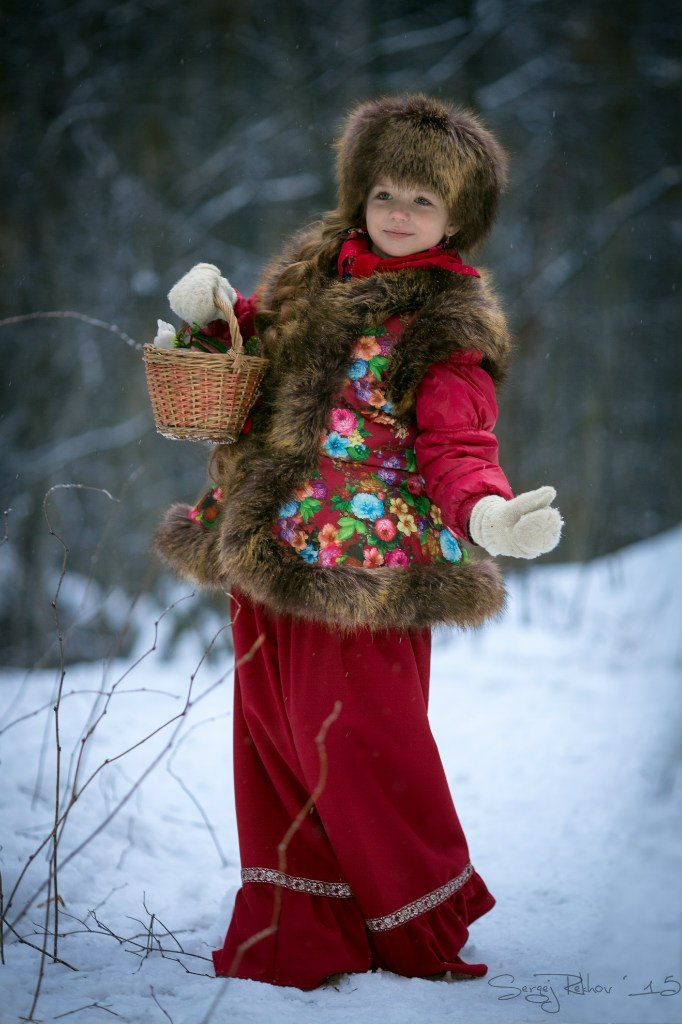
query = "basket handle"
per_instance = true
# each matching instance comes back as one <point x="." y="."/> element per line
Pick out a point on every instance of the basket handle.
<point x="237" y="341"/>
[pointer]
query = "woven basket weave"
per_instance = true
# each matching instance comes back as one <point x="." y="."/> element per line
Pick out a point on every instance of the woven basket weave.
<point x="201" y="396"/>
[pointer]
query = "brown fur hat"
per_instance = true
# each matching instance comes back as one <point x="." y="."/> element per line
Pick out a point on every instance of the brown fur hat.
<point x="415" y="141"/>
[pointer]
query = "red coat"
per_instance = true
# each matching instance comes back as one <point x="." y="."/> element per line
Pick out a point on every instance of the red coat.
<point x="456" y="410"/>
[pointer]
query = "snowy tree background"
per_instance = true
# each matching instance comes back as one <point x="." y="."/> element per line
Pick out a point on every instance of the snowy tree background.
<point x="142" y="137"/>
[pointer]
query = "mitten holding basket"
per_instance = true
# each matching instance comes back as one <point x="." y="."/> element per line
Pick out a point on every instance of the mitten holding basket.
<point x="192" y="298"/>
<point x="203" y="380"/>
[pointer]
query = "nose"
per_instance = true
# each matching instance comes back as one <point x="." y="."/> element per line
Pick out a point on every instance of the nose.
<point x="398" y="216"/>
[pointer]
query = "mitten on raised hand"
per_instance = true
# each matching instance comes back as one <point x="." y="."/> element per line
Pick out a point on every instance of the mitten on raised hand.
<point x="524" y="526"/>
<point x="191" y="298"/>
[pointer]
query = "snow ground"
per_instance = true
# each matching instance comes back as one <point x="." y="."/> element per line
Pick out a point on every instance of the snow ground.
<point x="560" y="730"/>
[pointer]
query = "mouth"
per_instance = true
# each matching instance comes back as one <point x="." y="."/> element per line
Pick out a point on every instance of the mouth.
<point x="398" y="234"/>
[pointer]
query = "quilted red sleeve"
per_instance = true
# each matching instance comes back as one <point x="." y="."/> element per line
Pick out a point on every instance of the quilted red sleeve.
<point x="456" y="450"/>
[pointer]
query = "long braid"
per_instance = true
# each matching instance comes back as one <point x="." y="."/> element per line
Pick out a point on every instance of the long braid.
<point x="309" y="256"/>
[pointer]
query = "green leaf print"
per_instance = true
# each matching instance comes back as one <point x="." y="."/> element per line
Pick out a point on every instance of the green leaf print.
<point x="348" y="525"/>
<point x="346" y="531"/>
<point x="357" y="452"/>
<point x="373" y="332"/>
<point x="411" y="460"/>
<point x="422" y="505"/>
<point x="377" y="365"/>
<point x="407" y="495"/>
<point x="309" y="506"/>
<point x="339" y="505"/>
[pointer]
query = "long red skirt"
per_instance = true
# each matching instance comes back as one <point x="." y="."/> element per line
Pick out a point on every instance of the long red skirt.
<point x="378" y="872"/>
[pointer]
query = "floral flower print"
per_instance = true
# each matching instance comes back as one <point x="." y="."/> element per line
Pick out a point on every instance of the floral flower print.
<point x="309" y="553"/>
<point x="335" y="445"/>
<point x="398" y="507"/>
<point x="287" y="509"/>
<point x="344" y="421"/>
<point x="389" y="475"/>
<point x="357" y="369"/>
<point x="372" y="558"/>
<point x="385" y="529"/>
<point x="407" y="525"/>
<point x="366" y="347"/>
<point x="304" y="491"/>
<point x="366" y="505"/>
<point x="328" y="534"/>
<point x="330" y="555"/>
<point x="300" y="540"/>
<point x="450" y="547"/>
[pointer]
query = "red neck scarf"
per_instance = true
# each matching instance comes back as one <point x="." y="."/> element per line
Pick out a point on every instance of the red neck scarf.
<point x="356" y="260"/>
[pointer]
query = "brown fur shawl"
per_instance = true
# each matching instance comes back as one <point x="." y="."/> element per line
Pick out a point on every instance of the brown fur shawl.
<point x="310" y="351"/>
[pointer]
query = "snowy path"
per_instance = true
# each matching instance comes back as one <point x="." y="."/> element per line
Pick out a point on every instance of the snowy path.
<point x="561" y="734"/>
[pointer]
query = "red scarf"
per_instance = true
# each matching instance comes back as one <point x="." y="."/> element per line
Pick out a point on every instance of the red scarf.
<point x="356" y="260"/>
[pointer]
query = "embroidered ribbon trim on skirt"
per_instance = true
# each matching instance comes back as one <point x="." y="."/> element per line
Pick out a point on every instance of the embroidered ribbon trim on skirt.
<point x="375" y="924"/>
<point x="311" y="885"/>
<point x="424" y="903"/>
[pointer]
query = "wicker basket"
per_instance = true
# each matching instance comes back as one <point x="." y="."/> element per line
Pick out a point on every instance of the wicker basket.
<point x="200" y="396"/>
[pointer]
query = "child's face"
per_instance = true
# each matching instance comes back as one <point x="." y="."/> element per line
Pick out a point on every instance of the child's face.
<point x="401" y="221"/>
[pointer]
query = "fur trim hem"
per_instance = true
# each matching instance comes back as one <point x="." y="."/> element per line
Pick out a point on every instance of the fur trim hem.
<point x="347" y="599"/>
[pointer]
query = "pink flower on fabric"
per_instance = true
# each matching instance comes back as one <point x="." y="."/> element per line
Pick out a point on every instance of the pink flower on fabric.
<point x="373" y="558"/>
<point x="385" y="529"/>
<point x="330" y="555"/>
<point x="397" y="559"/>
<point x="344" y="422"/>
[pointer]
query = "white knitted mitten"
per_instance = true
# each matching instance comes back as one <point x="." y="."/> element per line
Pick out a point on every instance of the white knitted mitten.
<point x="523" y="527"/>
<point x="191" y="298"/>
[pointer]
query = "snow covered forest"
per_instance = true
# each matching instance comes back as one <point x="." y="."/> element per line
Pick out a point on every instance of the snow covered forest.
<point x="142" y="137"/>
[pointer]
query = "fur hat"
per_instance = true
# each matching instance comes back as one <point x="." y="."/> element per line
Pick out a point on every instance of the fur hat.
<point x="415" y="141"/>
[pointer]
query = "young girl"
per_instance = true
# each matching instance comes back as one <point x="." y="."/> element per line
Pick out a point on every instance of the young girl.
<point x="341" y="526"/>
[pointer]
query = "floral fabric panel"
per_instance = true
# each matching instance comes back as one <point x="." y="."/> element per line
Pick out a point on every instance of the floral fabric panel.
<point x="366" y="505"/>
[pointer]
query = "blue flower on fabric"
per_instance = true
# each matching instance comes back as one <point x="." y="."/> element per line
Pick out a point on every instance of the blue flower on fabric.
<point x="367" y="506"/>
<point x="336" y="445"/>
<point x="309" y="553"/>
<point x="357" y="369"/>
<point x="449" y="546"/>
<point x="289" y="508"/>
<point x="388" y="407"/>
